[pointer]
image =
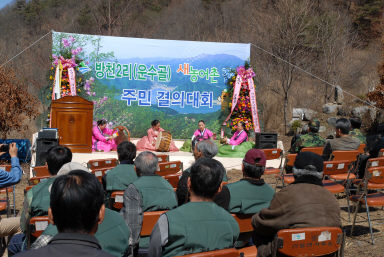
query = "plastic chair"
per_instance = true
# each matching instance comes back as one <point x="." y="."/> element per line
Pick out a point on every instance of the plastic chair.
<point x="102" y="163"/>
<point x="381" y="153"/>
<point x="40" y="171"/>
<point x="375" y="162"/>
<point x="316" y="150"/>
<point x="99" y="173"/>
<point x="361" y="148"/>
<point x="36" y="227"/>
<point x="345" y="155"/>
<point x="272" y="154"/>
<point x="287" y="178"/>
<point x="373" y="179"/>
<point x="244" y="221"/>
<point x="117" y="199"/>
<point x="149" y="222"/>
<point x="167" y="168"/>
<point x="162" y="158"/>
<point x="173" y="179"/>
<point x="230" y="252"/>
<point x="36" y="180"/>
<point x="316" y="241"/>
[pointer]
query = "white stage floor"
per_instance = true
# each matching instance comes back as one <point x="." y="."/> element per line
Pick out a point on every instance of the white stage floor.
<point x="185" y="157"/>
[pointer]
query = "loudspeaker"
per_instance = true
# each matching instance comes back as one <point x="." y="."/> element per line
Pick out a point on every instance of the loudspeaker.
<point x="42" y="147"/>
<point x="266" y="140"/>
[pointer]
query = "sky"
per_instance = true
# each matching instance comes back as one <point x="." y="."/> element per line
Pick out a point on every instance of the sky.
<point x="125" y="48"/>
<point x="3" y="3"/>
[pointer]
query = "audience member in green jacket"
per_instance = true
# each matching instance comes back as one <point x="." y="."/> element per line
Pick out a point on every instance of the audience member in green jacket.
<point x="149" y="192"/>
<point x="122" y="175"/>
<point x="200" y="225"/>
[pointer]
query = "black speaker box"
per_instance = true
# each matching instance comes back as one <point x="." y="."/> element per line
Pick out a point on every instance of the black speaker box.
<point x="42" y="147"/>
<point x="266" y="140"/>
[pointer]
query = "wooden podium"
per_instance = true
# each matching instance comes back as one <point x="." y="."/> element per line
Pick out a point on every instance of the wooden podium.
<point x="73" y="116"/>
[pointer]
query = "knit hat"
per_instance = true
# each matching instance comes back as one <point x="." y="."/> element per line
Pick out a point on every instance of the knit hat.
<point x="308" y="163"/>
<point x="255" y="157"/>
<point x="66" y="168"/>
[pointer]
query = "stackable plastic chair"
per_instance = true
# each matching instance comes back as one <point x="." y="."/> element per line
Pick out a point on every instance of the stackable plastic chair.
<point x="230" y="252"/>
<point x="100" y="166"/>
<point x="381" y="153"/>
<point x="117" y="199"/>
<point x="373" y="180"/>
<point x="315" y="241"/>
<point x="173" y="179"/>
<point x="149" y="221"/>
<point x="37" y="225"/>
<point x="272" y="154"/>
<point x="361" y="148"/>
<point x="40" y="171"/>
<point x="287" y="178"/>
<point x="36" y="180"/>
<point x="345" y="155"/>
<point x="316" y="150"/>
<point x="162" y="158"/>
<point x="167" y="168"/>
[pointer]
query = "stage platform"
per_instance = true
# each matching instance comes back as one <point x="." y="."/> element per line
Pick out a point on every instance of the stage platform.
<point x="185" y="157"/>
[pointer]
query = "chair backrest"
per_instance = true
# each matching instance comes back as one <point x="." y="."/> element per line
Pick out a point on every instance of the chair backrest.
<point x="6" y="167"/>
<point x="99" y="173"/>
<point x="336" y="167"/>
<point x="316" y="150"/>
<point x="376" y="175"/>
<point x="149" y="222"/>
<point x="315" y="241"/>
<point x="361" y="148"/>
<point x="36" y="180"/>
<point x="375" y="162"/>
<point x="40" y="171"/>
<point x="102" y="163"/>
<point x="163" y="158"/>
<point x="290" y="159"/>
<point x="173" y="179"/>
<point x="345" y="155"/>
<point x="381" y="152"/>
<point x="272" y="154"/>
<point x="230" y="252"/>
<point x="167" y="168"/>
<point x="38" y="225"/>
<point x="244" y="221"/>
<point x="117" y="199"/>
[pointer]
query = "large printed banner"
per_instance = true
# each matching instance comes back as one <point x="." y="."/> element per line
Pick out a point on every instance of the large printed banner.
<point x="135" y="81"/>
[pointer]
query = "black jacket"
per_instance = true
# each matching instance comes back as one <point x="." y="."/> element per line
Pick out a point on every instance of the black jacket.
<point x="69" y="244"/>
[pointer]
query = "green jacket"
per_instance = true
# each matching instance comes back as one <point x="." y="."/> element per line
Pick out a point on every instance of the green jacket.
<point x="113" y="234"/>
<point x="36" y="202"/>
<point x="156" y="195"/>
<point x="308" y="140"/>
<point x="356" y="133"/>
<point x="198" y="227"/>
<point x="248" y="198"/>
<point x="120" y="177"/>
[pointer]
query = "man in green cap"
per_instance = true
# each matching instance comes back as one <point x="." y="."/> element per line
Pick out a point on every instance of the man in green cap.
<point x="312" y="139"/>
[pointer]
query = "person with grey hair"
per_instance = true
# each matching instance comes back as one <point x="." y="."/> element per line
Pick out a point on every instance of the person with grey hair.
<point x="149" y="192"/>
<point x="205" y="148"/>
<point x="304" y="203"/>
<point x="343" y="141"/>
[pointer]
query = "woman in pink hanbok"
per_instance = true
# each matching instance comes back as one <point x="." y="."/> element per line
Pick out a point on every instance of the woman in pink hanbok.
<point x="103" y="137"/>
<point x="240" y="135"/>
<point x="149" y="141"/>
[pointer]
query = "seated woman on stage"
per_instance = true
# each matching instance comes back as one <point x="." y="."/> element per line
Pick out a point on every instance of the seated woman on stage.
<point x="102" y="137"/>
<point x="148" y="142"/>
<point x="202" y="133"/>
<point x="238" y="145"/>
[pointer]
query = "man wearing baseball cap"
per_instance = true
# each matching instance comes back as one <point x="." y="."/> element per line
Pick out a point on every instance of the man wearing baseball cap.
<point x="312" y="139"/>
<point x="304" y="203"/>
<point x="250" y="194"/>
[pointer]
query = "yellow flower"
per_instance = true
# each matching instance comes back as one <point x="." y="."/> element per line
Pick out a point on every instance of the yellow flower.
<point x="51" y="68"/>
<point x="79" y="79"/>
<point x="233" y="77"/>
<point x="78" y="90"/>
<point x="50" y="77"/>
<point x="47" y="96"/>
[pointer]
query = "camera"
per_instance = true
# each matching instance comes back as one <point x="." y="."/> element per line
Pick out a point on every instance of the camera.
<point x="4" y="148"/>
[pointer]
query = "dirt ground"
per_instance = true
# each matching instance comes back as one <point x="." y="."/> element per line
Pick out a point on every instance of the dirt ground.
<point x="358" y="245"/>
